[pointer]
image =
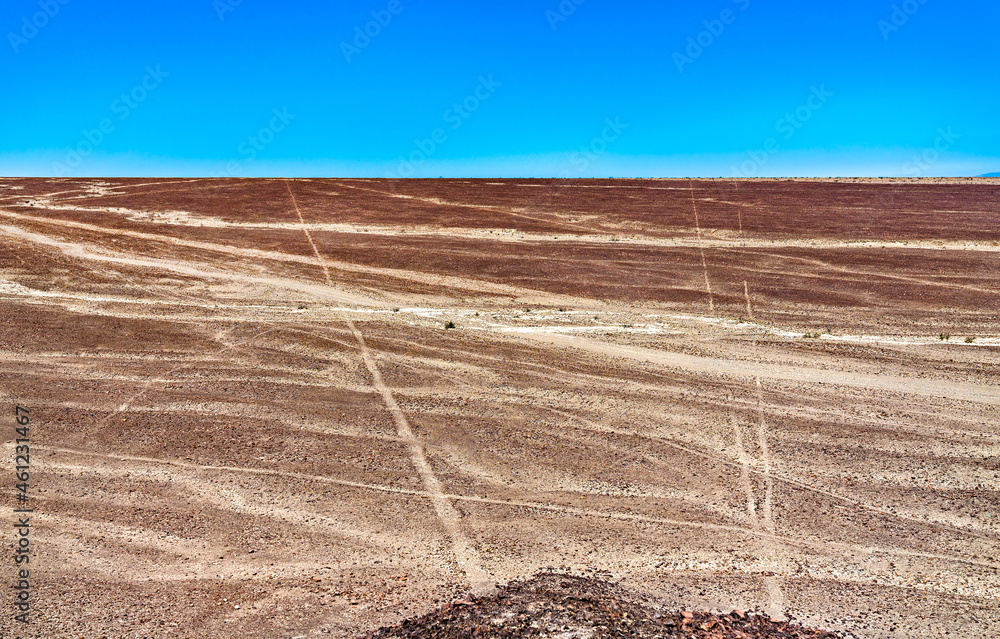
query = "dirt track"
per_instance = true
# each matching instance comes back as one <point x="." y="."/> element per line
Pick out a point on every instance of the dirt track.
<point x="250" y="420"/>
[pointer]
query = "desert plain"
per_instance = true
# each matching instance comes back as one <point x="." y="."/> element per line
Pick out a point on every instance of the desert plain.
<point x="315" y="407"/>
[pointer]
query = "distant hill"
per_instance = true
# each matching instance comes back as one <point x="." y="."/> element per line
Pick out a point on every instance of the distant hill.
<point x="990" y="175"/>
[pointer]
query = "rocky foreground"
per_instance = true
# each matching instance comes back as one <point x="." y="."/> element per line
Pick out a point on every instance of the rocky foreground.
<point x="554" y="605"/>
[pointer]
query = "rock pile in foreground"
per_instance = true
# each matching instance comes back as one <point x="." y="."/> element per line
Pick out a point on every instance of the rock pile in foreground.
<point x="553" y="605"/>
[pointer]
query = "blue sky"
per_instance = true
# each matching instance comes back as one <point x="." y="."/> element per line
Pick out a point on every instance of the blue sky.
<point x="503" y="88"/>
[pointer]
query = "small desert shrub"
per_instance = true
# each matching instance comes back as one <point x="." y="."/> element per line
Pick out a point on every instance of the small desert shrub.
<point x="969" y="340"/>
<point x="811" y="335"/>
<point x="450" y="325"/>
<point x="944" y="337"/>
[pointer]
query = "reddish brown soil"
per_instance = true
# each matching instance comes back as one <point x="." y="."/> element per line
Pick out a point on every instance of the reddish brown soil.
<point x="244" y="429"/>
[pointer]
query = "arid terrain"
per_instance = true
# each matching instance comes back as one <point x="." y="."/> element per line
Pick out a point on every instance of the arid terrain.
<point x="248" y="418"/>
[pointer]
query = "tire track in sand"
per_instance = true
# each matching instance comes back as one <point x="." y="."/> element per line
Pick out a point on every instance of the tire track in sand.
<point x="776" y="597"/>
<point x="83" y="251"/>
<point x="510" y="211"/>
<point x="465" y="552"/>
<point x="567" y="509"/>
<point x="28" y="196"/>
<point x="790" y="483"/>
<point x="761" y="522"/>
<point x="769" y="548"/>
<point x="720" y="366"/>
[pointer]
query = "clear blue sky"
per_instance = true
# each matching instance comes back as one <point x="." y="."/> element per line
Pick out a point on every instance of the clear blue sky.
<point x="592" y="89"/>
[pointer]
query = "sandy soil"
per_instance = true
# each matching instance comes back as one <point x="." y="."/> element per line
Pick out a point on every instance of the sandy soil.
<point x="249" y="419"/>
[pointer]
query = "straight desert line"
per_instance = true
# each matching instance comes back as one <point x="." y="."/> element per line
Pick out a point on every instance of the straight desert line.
<point x="701" y="248"/>
<point x="532" y="505"/>
<point x="82" y="251"/>
<point x="745" y="369"/>
<point x="465" y="552"/>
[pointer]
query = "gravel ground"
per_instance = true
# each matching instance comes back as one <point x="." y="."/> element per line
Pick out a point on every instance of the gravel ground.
<point x="248" y="418"/>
